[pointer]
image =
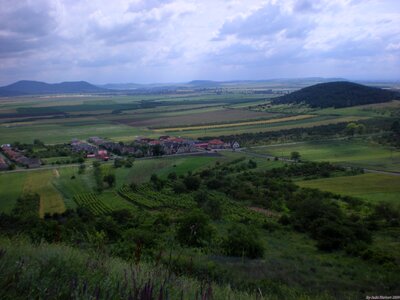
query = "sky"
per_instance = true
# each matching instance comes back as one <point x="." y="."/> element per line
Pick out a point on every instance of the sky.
<point x="148" y="41"/>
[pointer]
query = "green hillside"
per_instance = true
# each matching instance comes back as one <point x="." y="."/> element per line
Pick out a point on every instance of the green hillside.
<point x="338" y="94"/>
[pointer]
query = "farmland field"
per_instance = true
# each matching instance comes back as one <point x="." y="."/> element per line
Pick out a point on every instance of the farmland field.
<point x="353" y="152"/>
<point x="13" y="185"/>
<point x="371" y="187"/>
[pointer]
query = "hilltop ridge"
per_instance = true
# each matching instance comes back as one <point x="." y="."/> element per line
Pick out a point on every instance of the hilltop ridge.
<point x="338" y="94"/>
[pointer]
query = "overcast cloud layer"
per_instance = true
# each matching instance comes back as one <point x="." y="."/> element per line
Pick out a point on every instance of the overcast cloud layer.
<point x="175" y="40"/>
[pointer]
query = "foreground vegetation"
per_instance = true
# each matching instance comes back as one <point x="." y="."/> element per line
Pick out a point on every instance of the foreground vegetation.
<point x="230" y="223"/>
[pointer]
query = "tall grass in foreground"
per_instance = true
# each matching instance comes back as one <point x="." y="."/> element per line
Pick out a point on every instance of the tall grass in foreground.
<point x="61" y="272"/>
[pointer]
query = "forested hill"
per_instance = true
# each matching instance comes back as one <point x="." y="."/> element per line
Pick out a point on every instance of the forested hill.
<point x="27" y="87"/>
<point x="338" y="94"/>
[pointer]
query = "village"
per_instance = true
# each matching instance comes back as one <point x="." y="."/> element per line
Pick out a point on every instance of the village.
<point x="13" y="156"/>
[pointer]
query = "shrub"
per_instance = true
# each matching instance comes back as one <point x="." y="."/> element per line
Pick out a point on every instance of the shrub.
<point x="192" y="183"/>
<point x="243" y="241"/>
<point x="194" y="229"/>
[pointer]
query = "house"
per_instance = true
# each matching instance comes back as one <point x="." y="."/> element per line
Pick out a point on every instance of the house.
<point x="102" y="154"/>
<point x="96" y="140"/>
<point x="3" y="164"/>
<point x="235" y="145"/>
<point x="201" y="145"/>
<point x="216" y="144"/>
<point x="79" y="146"/>
<point x="164" y="137"/>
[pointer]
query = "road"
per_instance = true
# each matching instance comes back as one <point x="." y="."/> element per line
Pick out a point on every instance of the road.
<point x="52" y="167"/>
<point x="213" y="153"/>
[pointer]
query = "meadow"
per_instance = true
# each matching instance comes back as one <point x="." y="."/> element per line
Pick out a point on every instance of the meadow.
<point x="370" y="187"/>
<point x="353" y="152"/>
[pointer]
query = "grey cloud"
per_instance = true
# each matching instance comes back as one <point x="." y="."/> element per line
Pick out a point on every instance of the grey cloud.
<point x="306" y="6"/>
<point x="267" y="21"/>
<point x="25" y="26"/>
<point x="147" y="5"/>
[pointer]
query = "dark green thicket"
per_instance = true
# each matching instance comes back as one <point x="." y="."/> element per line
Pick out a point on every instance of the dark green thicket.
<point x="338" y="94"/>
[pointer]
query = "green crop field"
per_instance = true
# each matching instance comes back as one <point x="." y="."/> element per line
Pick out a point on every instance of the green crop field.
<point x="371" y="187"/>
<point x="352" y="152"/>
<point x="12" y="185"/>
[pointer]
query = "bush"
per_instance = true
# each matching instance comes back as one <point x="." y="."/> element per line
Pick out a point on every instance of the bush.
<point x="192" y="183"/>
<point x="194" y="229"/>
<point x="179" y="187"/>
<point x="243" y="241"/>
<point x="212" y="207"/>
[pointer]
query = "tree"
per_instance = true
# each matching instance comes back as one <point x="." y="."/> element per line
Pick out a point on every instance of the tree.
<point x="118" y="163"/>
<point x="213" y="208"/>
<point x="158" y="150"/>
<point x="354" y="128"/>
<point x="192" y="182"/>
<point x="110" y="179"/>
<point x="396" y="127"/>
<point x="194" y="229"/>
<point x="243" y="241"/>
<point x="38" y="142"/>
<point x="82" y="168"/>
<point x="295" y="156"/>
<point x="172" y="176"/>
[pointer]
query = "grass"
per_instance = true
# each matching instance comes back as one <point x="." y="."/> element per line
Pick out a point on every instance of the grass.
<point x="237" y="124"/>
<point x="61" y="272"/>
<point x="40" y="182"/>
<point x="143" y="169"/>
<point x="59" y="133"/>
<point x="306" y="123"/>
<point x="11" y="186"/>
<point x="69" y="187"/>
<point x="371" y="187"/>
<point x="349" y="152"/>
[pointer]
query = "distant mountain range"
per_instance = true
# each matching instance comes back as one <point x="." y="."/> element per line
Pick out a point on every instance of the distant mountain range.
<point x="27" y="87"/>
<point x="338" y="94"/>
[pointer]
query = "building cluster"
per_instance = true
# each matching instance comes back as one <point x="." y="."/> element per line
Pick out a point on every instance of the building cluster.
<point x="3" y="164"/>
<point x="97" y="147"/>
<point x="19" y="158"/>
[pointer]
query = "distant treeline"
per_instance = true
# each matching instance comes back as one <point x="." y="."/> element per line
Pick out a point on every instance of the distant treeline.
<point x="386" y="126"/>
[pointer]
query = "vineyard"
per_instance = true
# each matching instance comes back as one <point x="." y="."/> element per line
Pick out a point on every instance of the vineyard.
<point x="145" y="196"/>
<point x="91" y="202"/>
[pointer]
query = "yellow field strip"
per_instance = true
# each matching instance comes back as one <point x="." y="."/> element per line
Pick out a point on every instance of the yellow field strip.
<point x="41" y="183"/>
<point x="246" y="123"/>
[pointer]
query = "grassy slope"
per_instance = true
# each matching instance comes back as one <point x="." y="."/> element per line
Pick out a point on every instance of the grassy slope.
<point x="61" y="272"/>
<point x="355" y="153"/>
<point x="371" y="187"/>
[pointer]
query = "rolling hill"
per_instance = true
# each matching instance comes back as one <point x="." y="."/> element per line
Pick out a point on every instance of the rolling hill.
<point x="27" y="87"/>
<point x="338" y="94"/>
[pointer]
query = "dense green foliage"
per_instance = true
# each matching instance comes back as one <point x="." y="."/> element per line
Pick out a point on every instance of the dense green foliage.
<point x="338" y="94"/>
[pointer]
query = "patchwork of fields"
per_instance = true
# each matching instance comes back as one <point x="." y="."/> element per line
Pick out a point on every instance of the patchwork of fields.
<point x="56" y="119"/>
